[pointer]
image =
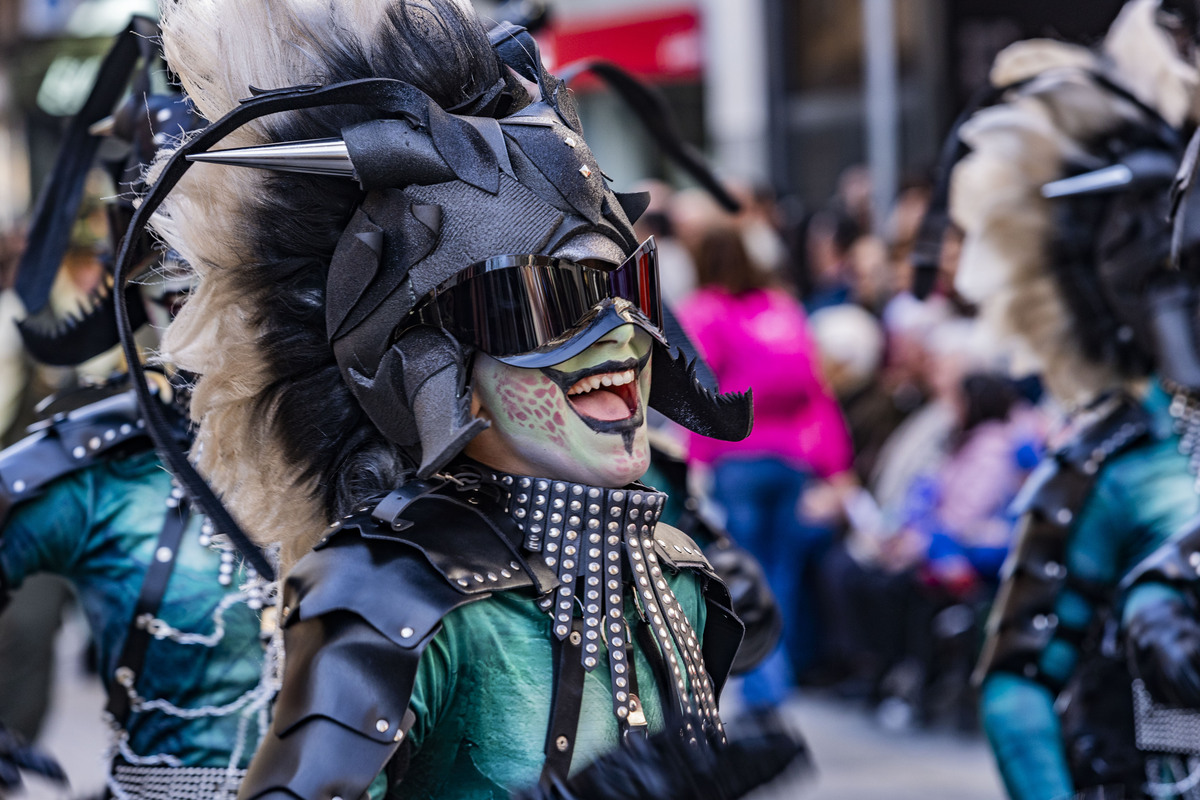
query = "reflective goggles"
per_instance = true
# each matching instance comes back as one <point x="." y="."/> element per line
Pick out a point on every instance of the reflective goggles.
<point x="535" y="311"/>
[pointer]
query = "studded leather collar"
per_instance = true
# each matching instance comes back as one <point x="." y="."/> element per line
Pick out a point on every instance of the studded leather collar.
<point x="603" y="545"/>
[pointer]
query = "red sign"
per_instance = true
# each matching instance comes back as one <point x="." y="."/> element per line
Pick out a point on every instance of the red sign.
<point x="662" y="45"/>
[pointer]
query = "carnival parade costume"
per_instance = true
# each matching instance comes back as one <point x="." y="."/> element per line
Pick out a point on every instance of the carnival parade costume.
<point x="1063" y="199"/>
<point x="424" y="334"/>
<point x="174" y="616"/>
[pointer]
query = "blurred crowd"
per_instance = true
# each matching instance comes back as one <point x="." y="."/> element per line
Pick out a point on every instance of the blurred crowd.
<point x="889" y="442"/>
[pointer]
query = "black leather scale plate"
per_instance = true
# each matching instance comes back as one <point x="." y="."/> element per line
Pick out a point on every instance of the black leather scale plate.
<point x="1022" y="622"/>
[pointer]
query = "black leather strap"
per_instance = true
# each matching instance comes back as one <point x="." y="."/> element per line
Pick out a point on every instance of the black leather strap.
<point x="635" y="723"/>
<point x="564" y="708"/>
<point x="154" y="587"/>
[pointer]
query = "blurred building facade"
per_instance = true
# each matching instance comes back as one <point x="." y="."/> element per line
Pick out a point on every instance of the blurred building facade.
<point x="776" y="91"/>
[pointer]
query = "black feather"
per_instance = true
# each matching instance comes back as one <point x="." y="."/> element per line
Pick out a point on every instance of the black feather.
<point x="441" y="49"/>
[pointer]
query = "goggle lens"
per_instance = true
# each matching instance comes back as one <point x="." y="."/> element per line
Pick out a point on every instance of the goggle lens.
<point x="508" y="305"/>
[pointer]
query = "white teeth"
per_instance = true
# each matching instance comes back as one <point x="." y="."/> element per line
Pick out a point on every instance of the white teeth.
<point x="594" y="382"/>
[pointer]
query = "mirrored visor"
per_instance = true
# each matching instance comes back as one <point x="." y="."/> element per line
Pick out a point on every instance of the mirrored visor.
<point x="517" y="304"/>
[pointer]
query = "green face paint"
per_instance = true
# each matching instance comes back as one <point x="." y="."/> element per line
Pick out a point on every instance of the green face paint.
<point x="583" y="420"/>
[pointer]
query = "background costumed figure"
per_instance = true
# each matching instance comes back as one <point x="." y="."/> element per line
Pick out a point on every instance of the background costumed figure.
<point x="1063" y="199"/>
<point x="175" y="620"/>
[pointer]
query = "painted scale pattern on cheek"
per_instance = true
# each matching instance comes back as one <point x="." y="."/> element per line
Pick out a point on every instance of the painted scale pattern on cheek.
<point x="535" y="403"/>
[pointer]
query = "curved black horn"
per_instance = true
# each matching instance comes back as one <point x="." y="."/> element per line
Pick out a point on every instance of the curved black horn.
<point x="656" y="116"/>
<point x="58" y="204"/>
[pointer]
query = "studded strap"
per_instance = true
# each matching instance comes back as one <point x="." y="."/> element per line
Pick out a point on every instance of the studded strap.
<point x="602" y="544"/>
<point x="154" y="588"/>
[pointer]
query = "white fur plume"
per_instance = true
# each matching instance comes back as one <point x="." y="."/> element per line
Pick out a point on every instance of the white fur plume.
<point x="1148" y="64"/>
<point x="1026" y="142"/>
<point x="220" y="49"/>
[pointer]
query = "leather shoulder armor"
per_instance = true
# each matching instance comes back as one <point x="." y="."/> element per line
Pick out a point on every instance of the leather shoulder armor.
<point x="1176" y="562"/>
<point x="357" y="614"/>
<point x="1023" y="621"/>
<point x="70" y="441"/>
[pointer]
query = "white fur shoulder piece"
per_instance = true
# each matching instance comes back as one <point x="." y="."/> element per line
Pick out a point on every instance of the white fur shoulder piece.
<point x="1023" y="60"/>
<point x="1145" y="60"/>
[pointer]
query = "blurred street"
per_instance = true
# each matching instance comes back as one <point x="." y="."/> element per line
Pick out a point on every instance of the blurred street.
<point x="856" y="758"/>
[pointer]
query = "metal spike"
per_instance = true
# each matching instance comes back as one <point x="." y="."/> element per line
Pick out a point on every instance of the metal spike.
<point x="1101" y="180"/>
<point x="313" y="157"/>
<point x="103" y="127"/>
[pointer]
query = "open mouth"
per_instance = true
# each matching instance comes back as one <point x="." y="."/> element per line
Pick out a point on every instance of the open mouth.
<point x="605" y="396"/>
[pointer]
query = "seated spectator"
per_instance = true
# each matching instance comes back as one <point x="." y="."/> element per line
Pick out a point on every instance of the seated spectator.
<point x="939" y="545"/>
<point x="850" y="343"/>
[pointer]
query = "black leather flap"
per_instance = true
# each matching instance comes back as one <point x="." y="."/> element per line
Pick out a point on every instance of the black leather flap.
<point x="340" y="668"/>
<point x="69" y="442"/>
<point x="386" y="583"/>
<point x="286" y="768"/>
<point x="679" y="551"/>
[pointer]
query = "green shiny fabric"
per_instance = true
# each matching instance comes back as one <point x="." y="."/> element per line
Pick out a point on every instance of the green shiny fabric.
<point x="1140" y="499"/>
<point x="482" y="700"/>
<point x="98" y="527"/>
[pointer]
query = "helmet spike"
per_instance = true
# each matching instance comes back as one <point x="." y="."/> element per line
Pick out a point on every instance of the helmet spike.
<point x="1139" y="169"/>
<point x="103" y="127"/>
<point x="314" y="157"/>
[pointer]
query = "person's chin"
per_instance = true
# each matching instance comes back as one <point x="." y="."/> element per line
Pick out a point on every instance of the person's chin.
<point x="624" y="467"/>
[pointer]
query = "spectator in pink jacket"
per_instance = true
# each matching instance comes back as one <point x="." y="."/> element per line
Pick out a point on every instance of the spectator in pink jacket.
<point x="754" y="335"/>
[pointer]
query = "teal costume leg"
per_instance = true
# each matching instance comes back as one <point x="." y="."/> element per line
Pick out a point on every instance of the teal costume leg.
<point x="1019" y="720"/>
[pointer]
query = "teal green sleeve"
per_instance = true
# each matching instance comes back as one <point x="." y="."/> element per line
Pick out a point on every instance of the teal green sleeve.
<point x="1023" y="730"/>
<point x="378" y="788"/>
<point x="48" y="533"/>
<point x="434" y="685"/>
